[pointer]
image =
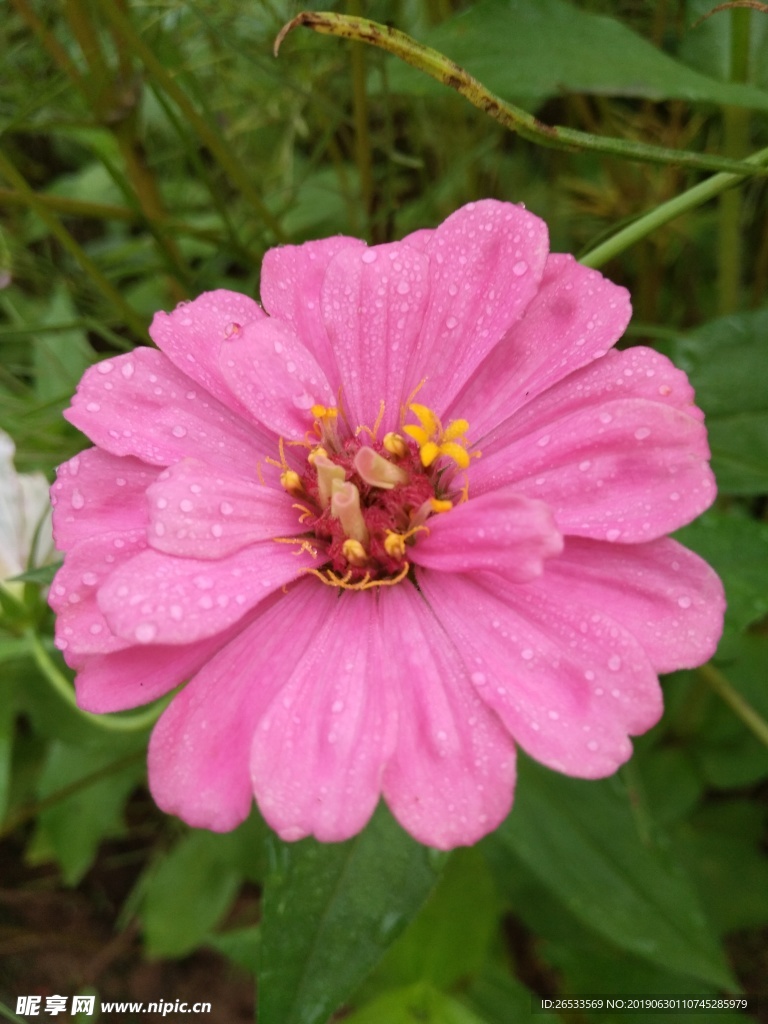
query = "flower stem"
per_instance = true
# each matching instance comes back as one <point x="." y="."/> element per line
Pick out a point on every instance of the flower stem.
<point x="444" y="70"/>
<point x="60" y="683"/>
<point x="736" y="143"/>
<point x="662" y="214"/>
<point x="756" y="724"/>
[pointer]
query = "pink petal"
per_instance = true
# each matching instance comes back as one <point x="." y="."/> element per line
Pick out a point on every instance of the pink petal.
<point x="321" y="746"/>
<point x="140" y="404"/>
<point x="566" y="678"/>
<point x="373" y="305"/>
<point x="485" y="265"/>
<point x="275" y="377"/>
<point x="614" y="468"/>
<point x="664" y="594"/>
<point x="138" y="675"/>
<point x="291" y="281"/>
<point x="200" y="749"/>
<point x="502" y="531"/>
<point x="96" y="492"/>
<point x="192" y="335"/>
<point x="197" y="512"/>
<point x="575" y="316"/>
<point x="81" y="627"/>
<point x="451" y="779"/>
<point x="156" y="598"/>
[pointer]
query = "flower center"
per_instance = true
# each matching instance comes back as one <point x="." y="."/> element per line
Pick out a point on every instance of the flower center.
<point x="367" y="500"/>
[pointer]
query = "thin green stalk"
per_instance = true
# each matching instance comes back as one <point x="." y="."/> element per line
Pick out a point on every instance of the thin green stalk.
<point x="57" y="229"/>
<point x="445" y="71"/>
<point x="666" y="212"/>
<point x="207" y="134"/>
<point x="60" y="683"/>
<point x="756" y="724"/>
<point x="736" y="142"/>
<point x="360" y="112"/>
<point x="33" y="810"/>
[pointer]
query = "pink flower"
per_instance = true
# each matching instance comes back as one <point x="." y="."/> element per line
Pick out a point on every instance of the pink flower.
<point x="409" y="516"/>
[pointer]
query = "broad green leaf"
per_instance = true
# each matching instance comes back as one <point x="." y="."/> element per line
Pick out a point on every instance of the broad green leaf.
<point x="187" y="893"/>
<point x="723" y="845"/>
<point x="531" y="51"/>
<point x="416" y="1004"/>
<point x="500" y="998"/>
<point x="725" y="360"/>
<point x="75" y="825"/>
<point x="240" y="945"/>
<point x="580" y="840"/>
<point x="448" y="942"/>
<point x="331" y="911"/>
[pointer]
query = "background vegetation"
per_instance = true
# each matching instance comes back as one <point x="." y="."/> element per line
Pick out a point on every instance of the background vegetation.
<point x="152" y="149"/>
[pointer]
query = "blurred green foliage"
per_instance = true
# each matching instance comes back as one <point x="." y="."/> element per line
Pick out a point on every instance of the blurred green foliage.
<point x="154" y="150"/>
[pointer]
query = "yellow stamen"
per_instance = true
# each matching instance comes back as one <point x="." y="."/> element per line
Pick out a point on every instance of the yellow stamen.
<point x="434" y="441"/>
<point x="330" y="579"/>
<point x="354" y="552"/>
<point x="395" y="445"/>
<point x="441" y="504"/>
<point x="291" y="481"/>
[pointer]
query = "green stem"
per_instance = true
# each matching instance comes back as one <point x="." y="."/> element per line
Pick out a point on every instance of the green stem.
<point x="360" y="112"/>
<point x="215" y="143"/>
<point x="756" y="724"/>
<point x="445" y="71"/>
<point x="60" y="683"/>
<point x="660" y="215"/>
<point x="736" y="143"/>
<point x="57" y="229"/>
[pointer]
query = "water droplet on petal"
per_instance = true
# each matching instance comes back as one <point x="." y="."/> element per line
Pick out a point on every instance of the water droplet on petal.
<point x="369" y="256"/>
<point x="179" y="431"/>
<point x="520" y="268"/>
<point x="127" y="370"/>
<point x="146" y="632"/>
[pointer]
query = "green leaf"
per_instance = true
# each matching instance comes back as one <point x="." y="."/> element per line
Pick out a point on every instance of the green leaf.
<point x="240" y="945"/>
<point x="532" y="51"/>
<point x="330" y="912"/>
<point x="416" y="1004"/>
<point x="187" y="894"/>
<point x="448" y="941"/>
<point x="7" y="730"/>
<point x="580" y="840"/>
<point x="500" y="998"/>
<point x="725" y="360"/>
<point x="75" y="825"/>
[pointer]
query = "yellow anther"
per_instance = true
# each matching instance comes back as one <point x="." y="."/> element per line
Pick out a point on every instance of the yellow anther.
<point x="456" y="428"/>
<point x="395" y="445"/>
<point x="441" y="504"/>
<point x="428" y="452"/>
<point x="354" y="552"/>
<point x="433" y="441"/>
<point x="455" y="451"/>
<point x="394" y="544"/>
<point x="291" y="481"/>
<point x="426" y="418"/>
<point x="314" y="454"/>
<point x="322" y="412"/>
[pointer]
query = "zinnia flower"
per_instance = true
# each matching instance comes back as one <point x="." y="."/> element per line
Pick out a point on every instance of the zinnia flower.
<point x="409" y="514"/>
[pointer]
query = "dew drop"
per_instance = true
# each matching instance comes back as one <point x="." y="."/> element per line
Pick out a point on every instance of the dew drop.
<point x="226" y="509"/>
<point x="146" y="632"/>
<point x="179" y="431"/>
<point x="520" y="268"/>
<point x="613" y="535"/>
<point x="451" y="322"/>
<point x="93" y="407"/>
<point x="684" y="601"/>
<point x="478" y="678"/>
<point x="526" y="654"/>
<point x="614" y="663"/>
<point x="77" y="500"/>
<point x="641" y="433"/>
<point x="127" y="370"/>
<point x="369" y="256"/>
